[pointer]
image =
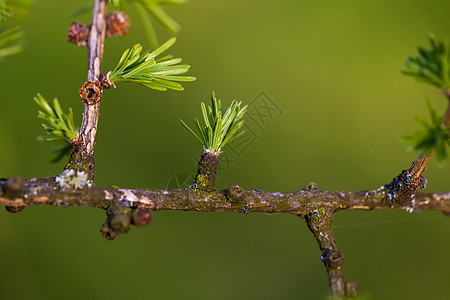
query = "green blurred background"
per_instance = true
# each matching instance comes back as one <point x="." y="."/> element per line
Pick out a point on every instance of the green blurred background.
<point x="332" y="70"/>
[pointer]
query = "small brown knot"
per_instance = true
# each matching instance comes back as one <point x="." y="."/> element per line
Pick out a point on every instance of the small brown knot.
<point x="14" y="187"/>
<point x="235" y="193"/>
<point x="78" y="34"/>
<point x="117" y="24"/>
<point x="332" y="259"/>
<point x="121" y="215"/>
<point x="120" y="223"/>
<point x="115" y="224"/>
<point x="311" y="186"/>
<point x="14" y="209"/>
<point x="91" y="92"/>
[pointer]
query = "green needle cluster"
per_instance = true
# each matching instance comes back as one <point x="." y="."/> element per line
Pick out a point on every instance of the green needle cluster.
<point x="221" y="126"/>
<point x="11" y="39"/>
<point x="432" y="136"/>
<point x="431" y="65"/>
<point x="5" y="12"/>
<point x="159" y="74"/>
<point x="11" y="42"/>
<point x="114" y="2"/>
<point x="59" y="125"/>
<point x="154" y="8"/>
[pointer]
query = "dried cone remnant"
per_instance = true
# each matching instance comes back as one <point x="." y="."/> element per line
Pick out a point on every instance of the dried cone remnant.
<point x="78" y="34"/>
<point x="206" y="172"/>
<point x="117" y="24"/>
<point x="91" y="92"/>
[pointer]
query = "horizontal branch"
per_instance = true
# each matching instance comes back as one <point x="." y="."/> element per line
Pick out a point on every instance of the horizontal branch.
<point x="125" y="207"/>
<point x="17" y="192"/>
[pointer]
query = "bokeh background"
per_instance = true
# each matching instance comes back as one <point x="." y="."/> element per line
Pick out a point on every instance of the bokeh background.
<point x="331" y="71"/>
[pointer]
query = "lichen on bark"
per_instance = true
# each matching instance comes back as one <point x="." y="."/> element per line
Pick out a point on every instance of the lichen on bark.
<point x="205" y="179"/>
<point x="319" y="221"/>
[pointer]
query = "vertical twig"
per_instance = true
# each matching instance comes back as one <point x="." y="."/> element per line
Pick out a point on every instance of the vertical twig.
<point x="319" y="221"/>
<point x="82" y="157"/>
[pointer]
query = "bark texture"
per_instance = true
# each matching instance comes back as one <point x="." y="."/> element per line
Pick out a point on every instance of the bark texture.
<point x="46" y="191"/>
<point x="82" y="157"/>
<point x="127" y="207"/>
<point x="205" y="179"/>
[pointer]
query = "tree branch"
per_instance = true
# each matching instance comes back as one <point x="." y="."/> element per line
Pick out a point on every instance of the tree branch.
<point x="46" y="191"/>
<point x="127" y="207"/>
<point x="82" y="157"/>
<point x="319" y="221"/>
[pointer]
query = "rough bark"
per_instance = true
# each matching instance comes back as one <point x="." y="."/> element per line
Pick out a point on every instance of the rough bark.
<point x="127" y="207"/>
<point x="205" y="179"/>
<point x="82" y="157"/>
<point x="46" y="191"/>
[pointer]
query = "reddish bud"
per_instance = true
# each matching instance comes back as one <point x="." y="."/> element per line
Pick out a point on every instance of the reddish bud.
<point x="91" y="92"/>
<point x="141" y="217"/>
<point x="78" y="34"/>
<point x="117" y="24"/>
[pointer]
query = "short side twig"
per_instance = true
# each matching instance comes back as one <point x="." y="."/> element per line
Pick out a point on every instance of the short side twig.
<point x="82" y="157"/>
<point x="208" y="164"/>
<point x="319" y="221"/>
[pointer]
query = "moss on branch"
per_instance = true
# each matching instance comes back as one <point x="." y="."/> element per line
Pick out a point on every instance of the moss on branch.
<point x="205" y="180"/>
<point x="127" y="207"/>
<point x="46" y="191"/>
<point x="319" y="221"/>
